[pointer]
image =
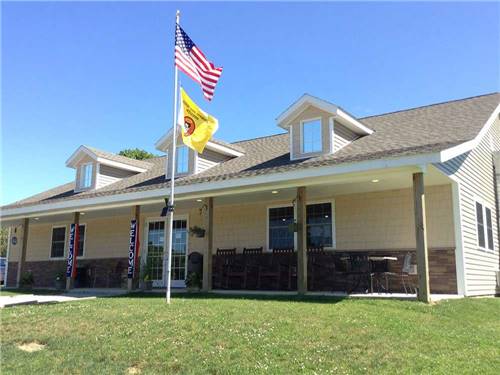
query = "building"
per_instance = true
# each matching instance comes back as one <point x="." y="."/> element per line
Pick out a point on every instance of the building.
<point x="356" y="182"/>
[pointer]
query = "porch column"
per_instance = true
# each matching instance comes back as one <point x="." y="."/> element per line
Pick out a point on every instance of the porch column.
<point x="421" y="237"/>
<point x="22" y="259"/>
<point x="207" y="259"/>
<point x="301" y="240"/>
<point x="136" y="213"/>
<point x="69" y="280"/>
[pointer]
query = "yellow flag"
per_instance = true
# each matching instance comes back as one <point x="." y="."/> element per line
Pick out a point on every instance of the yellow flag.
<point x="197" y="126"/>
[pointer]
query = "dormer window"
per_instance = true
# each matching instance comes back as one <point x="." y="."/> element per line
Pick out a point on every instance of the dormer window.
<point x="86" y="171"/>
<point x="96" y="168"/>
<point x="317" y="127"/>
<point x="182" y="160"/>
<point x="311" y="136"/>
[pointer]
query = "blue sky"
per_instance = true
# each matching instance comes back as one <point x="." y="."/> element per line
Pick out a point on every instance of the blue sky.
<point x="101" y="73"/>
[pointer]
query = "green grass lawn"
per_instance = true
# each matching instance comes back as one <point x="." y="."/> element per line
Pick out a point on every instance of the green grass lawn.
<point x="215" y="334"/>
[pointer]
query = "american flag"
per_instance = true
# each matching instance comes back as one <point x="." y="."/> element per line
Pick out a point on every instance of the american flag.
<point x="193" y="62"/>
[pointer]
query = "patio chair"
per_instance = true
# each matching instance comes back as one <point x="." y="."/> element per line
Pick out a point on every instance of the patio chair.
<point x="271" y="267"/>
<point x="236" y="268"/>
<point x="358" y="273"/>
<point x="380" y="269"/>
<point x="252" y="251"/>
<point x="314" y="265"/>
<point x="407" y="271"/>
<point x="231" y="251"/>
<point x="253" y="258"/>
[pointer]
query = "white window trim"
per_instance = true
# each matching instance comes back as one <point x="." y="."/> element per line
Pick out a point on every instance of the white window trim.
<point x="332" y="202"/>
<point x="334" y="232"/>
<point x="268" y="208"/>
<point x="302" y="122"/>
<point x="82" y="176"/>
<point x="144" y="242"/>
<point x="485" y="226"/>
<point x="65" y="241"/>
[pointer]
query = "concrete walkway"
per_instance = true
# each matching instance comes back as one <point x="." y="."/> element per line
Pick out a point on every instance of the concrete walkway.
<point x="33" y="299"/>
<point x="73" y="295"/>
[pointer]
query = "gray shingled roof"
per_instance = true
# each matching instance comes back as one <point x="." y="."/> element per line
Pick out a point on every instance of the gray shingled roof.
<point x="432" y="128"/>
<point x="120" y="159"/>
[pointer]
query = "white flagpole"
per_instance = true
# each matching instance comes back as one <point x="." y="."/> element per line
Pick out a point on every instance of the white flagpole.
<point x="167" y="256"/>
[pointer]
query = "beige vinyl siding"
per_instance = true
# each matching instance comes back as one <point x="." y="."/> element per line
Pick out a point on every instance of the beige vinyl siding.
<point x="497" y="178"/>
<point x="475" y="175"/>
<point x="15" y="250"/>
<point x="107" y="175"/>
<point x="385" y="220"/>
<point x="307" y="114"/>
<point x="208" y="160"/>
<point x="378" y="220"/>
<point x="342" y="136"/>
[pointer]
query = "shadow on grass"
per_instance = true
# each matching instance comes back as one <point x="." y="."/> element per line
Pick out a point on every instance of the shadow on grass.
<point x="249" y="297"/>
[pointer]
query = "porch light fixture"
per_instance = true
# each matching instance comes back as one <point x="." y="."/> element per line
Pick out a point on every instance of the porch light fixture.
<point x="375" y="181"/>
<point x="199" y="200"/>
<point x="274" y="192"/>
<point x="36" y="218"/>
<point x="82" y="213"/>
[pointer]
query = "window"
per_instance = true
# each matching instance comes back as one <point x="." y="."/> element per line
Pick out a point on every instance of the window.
<point x="86" y="175"/>
<point x="319" y="225"/>
<point x="311" y="136"/>
<point x="280" y="237"/>
<point x="81" y="239"/>
<point x="484" y="227"/>
<point x="182" y="159"/>
<point x="58" y="241"/>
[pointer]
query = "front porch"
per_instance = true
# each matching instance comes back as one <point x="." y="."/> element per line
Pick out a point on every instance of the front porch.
<point x="349" y="234"/>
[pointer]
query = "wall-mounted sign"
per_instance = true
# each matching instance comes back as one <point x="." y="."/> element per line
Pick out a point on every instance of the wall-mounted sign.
<point x="13" y="240"/>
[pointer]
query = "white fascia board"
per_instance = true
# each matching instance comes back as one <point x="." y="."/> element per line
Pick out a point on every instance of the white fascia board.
<point x="119" y="165"/>
<point x="344" y="117"/>
<point x="209" y="188"/>
<point x="223" y="149"/>
<point x="71" y="162"/>
<point x="353" y="124"/>
<point x="462" y="148"/>
<point x="163" y="143"/>
<point x="305" y="99"/>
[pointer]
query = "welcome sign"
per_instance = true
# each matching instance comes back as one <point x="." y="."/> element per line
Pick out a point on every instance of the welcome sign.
<point x="133" y="248"/>
<point x="72" y="251"/>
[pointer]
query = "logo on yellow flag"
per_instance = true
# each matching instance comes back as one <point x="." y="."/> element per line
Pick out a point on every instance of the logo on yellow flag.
<point x="197" y="126"/>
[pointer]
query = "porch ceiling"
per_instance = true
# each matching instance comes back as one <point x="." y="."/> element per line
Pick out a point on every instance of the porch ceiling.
<point x="387" y="179"/>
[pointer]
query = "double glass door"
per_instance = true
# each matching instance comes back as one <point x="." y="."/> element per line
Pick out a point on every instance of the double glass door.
<point x="156" y="247"/>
